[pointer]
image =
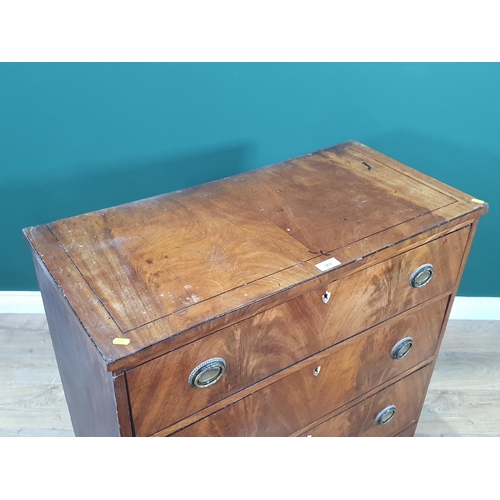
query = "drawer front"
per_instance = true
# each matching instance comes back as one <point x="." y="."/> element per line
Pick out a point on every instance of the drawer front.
<point x="280" y="337"/>
<point x="343" y="373"/>
<point x="409" y="432"/>
<point x="387" y="413"/>
<point x="382" y="291"/>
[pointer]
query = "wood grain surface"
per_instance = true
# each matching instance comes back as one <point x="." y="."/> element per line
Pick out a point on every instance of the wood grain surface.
<point x="408" y="432"/>
<point x="242" y="245"/>
<point x="347" y="370"/>
<point x="88" y="386"/>
<point x="231" y="307"/>
<point x="139" y="294"/>
<point x="256" y="349"/>
<point x="150" y="258"/>
<point x="407" y="395"/>
<point x="32" y="400"/>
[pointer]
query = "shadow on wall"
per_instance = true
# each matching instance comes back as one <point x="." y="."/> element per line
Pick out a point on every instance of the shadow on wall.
<point x="42" y="200"/>
<point x="472" y="170"/>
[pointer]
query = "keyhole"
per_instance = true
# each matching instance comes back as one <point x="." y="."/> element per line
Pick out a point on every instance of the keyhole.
<point x="316" y="371"/>
<point x="326" y="297"/>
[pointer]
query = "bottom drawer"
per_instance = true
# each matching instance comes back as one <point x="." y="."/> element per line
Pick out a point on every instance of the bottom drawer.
<point x="387" y="413"/>
<point x="409" y="432"/>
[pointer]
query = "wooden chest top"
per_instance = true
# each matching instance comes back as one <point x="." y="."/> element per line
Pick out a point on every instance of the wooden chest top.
<point x="190" y="262"/>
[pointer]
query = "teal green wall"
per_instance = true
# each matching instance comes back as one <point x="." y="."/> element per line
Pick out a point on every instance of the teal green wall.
<point x="79" y="137"/>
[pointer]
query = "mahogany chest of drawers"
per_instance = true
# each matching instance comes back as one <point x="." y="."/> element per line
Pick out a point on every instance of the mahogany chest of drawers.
<point x="306" y="298"/>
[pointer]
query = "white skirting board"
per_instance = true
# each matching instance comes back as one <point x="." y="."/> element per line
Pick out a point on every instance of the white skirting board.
<point x="476" y="308"/>
<point x="463" y="307"/>
<point x="21" y="303"/>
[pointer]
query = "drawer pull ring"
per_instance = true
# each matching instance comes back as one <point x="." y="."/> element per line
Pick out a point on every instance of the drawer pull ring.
<point x="207" y="373"/>
<point x="386" y="415"/>
<point x="326" y="297"/>
<point x="402" y="348"/>
<point x="421" y="276"/>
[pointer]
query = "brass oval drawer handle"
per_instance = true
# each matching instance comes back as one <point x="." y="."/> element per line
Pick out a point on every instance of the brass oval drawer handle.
<point x="207" y="373"/>
<point x="421" y="276"/>
<point x="402" y="348"/>
<point x="386" y="415"/>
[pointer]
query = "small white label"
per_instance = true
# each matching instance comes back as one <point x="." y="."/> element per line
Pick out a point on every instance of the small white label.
<point x="328" y="264"/>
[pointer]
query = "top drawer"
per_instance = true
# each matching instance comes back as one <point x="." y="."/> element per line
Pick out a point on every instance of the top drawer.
<point x="271" y="341"/>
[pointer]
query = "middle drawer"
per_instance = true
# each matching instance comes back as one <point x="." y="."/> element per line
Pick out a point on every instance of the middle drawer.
<point x="341" y="374"/>
<point x="336" y="377"/>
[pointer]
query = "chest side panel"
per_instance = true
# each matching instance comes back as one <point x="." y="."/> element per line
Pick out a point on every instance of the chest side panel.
<point x="88" y="387"/>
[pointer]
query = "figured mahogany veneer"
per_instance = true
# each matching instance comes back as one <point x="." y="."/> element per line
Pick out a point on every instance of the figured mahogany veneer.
<point x="138" y="295"/>
<point x="407" y="396"/>
<point x="271" y="341"/>
<point x="347" y="371"/>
